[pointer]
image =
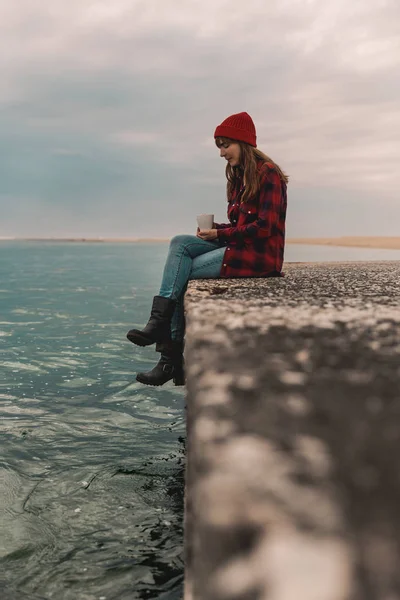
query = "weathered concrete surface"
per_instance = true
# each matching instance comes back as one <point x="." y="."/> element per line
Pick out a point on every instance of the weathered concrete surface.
<point x="293" y="472"/>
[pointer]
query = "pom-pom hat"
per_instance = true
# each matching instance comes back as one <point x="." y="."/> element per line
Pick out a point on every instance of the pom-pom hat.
<point x="239" y="127"/>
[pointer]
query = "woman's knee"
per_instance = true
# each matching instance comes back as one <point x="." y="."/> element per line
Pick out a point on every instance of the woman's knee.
<point x="181" y="240"/>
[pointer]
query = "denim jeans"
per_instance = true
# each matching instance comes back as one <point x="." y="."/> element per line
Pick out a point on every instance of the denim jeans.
<point x="189" y="257"/>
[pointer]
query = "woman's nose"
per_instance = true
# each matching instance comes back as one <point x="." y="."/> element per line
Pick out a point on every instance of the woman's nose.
<point x="222" y="152"/>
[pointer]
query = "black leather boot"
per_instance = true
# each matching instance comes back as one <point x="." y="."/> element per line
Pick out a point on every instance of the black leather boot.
<point x="170" y="366"/>
<point x="158" y="328"/>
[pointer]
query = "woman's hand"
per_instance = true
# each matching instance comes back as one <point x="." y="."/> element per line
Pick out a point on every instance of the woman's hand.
<point x="207" y="234"/>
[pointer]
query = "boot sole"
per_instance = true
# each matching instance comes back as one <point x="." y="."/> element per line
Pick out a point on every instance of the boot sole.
<point x="149" y="383"/>
<point x="177" y="382"/>
<point x="139" y="340"/>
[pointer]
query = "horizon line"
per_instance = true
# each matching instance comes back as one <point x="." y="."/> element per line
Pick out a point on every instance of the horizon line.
<point x="371" y="242"/>
<point x="134" y="239"/>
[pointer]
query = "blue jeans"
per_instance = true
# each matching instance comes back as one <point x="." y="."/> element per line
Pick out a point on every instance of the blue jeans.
<point x="189" y="257"/>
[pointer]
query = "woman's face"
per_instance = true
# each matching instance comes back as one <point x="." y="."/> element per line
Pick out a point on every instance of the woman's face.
<point x="230" y="151"/>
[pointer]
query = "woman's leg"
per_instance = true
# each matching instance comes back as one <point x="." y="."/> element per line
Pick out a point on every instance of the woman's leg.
<point x="178" y="319"/>
<point x="208" y="266"/>
<point x="183" y="250"/>
<point x="171" y="363"/>
<point x="205" y="266"/>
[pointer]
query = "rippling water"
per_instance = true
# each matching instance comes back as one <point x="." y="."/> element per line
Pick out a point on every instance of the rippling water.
<point x="91" y="498"/>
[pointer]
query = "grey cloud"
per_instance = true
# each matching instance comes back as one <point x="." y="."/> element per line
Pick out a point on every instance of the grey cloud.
<point x="121" y="102"/>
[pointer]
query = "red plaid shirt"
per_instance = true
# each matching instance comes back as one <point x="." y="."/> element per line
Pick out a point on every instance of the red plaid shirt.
<point x="255" y="236"/>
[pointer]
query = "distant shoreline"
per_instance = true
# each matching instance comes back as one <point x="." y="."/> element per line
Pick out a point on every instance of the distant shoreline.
<point x="383" y="242"/>
<point x="89" y="240"/>
<point x="387" y="243"/>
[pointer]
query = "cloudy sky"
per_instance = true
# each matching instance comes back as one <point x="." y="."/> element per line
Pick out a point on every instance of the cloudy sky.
<point x="108" y="110"/>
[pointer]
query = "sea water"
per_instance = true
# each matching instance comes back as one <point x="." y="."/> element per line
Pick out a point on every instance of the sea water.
<point x="92" y="462"/>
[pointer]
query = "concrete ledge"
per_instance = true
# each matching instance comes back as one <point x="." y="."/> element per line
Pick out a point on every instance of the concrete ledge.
<point x="293" y="416"/>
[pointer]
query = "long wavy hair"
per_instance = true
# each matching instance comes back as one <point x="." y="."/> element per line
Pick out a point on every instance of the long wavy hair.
<point x="249" y="156"/>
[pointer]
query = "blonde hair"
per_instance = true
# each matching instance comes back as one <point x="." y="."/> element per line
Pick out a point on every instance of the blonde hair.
<point x="248" y="164"/>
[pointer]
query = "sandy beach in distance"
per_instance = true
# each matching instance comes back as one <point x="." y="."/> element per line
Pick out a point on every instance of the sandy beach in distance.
<point x="392" y="243"/>
<point x="86" y="239"/>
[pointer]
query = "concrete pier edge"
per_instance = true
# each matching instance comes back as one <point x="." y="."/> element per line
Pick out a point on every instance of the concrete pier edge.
<point x="293" y="435"/>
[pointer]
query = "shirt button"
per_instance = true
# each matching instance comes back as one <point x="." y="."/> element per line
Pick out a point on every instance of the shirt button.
<point x="249" y="211"/>
<point x="228" y="248"/>
<point x="224" y="265"/>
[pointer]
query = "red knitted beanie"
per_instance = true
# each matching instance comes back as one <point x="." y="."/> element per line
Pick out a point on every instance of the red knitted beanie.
<point x="238" y="127"/>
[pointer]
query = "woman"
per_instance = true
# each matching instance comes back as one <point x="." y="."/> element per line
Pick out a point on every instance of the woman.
<point x="250" y="245"/>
